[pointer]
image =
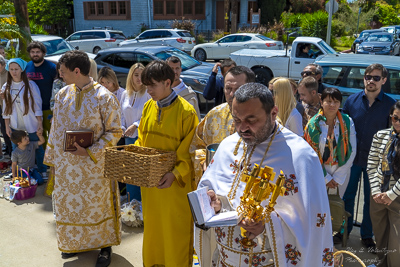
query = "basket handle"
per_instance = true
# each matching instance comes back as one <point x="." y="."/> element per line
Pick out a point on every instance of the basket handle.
<point x="27" y="175"/>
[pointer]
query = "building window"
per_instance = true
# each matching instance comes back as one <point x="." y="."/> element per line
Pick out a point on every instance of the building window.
<point x="107" y="10"/>
<point x="199" y="7"/>
<point x="122" y="8"/>
<point x="171" y="7"/>
<point x="168" y="9"/>
<point x="100" y="8"/>
<point x="113" y="8"/>
<point x="158" y="8"/>
<point x="92" y="8"/>
<point x="187" y="7"/>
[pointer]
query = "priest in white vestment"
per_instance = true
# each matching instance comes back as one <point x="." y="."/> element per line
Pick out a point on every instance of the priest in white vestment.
<point x="299" y="232"/>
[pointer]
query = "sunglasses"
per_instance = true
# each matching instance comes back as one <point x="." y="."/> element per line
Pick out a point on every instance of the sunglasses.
<point x="375" y="78"/>
<point x="307" y="73"/>
<point x="395" y="118"/>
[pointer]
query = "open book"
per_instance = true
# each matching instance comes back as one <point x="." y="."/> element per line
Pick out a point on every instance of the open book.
<point x="204" y="215"/>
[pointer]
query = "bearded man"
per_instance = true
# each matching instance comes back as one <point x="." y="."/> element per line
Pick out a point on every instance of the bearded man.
<point x="43" y="73"/>
<point x="298" y="231"/>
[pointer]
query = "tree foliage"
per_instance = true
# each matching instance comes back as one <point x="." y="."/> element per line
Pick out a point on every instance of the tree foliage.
<point x="386" y="14"/>
<point x="306" y="6"/>
<point x="271" y="10"/>
<point x="9" y="27"/>
<point x="49" y="12"/>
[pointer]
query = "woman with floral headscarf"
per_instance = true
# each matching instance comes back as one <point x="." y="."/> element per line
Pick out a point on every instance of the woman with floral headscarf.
<point x="332" y="135"/>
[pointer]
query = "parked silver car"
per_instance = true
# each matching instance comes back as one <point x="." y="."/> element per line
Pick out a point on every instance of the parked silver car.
<point x="93" y="41"/>
<point x="180" y="39"/>
<point x="56" y="46"/>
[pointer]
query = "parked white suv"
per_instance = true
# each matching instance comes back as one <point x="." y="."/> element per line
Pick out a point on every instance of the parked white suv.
<point x="180" y="39"/>
<point x="55" y="46"/>
<point x="93" y="41"/>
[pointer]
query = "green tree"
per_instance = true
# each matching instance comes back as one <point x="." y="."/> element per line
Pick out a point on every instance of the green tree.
<point x="387" y="15"/>
<point x="306" y="6"/>
<point x="49" y="12"/>
<point x="271" y="10"/>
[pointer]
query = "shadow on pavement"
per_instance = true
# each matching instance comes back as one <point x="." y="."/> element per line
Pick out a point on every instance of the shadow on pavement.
<point x="89" y="259"/>
<point x="38" y="199"/>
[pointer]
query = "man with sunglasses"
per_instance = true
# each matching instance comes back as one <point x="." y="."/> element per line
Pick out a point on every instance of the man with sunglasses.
<point x="370" y="111"/>
<point x="315" y="71"/>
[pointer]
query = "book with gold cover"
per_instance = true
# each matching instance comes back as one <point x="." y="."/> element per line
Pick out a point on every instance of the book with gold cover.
<point x="84" y="138"/>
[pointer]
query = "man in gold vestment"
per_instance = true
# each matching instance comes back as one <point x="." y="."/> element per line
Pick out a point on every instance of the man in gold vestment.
<point x="218" y="122"/>
<point x="168" y="123"/>
<point x="86" y="205"/>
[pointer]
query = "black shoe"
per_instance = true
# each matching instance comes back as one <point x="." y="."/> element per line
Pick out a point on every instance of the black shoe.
<point x="104" y="258"/>
<point x="369" y="243"/>
<point x="337" y="238"/>
<point x="65" y="255"/>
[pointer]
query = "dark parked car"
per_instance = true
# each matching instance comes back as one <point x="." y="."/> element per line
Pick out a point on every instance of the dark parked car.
<point x="380" y="43"/>
<point x="194" y="73"/>
<point x="363" y="35"/>
<point x="346" y="72"/>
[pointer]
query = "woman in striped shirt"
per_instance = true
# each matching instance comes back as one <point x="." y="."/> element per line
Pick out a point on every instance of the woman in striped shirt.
<point x="384" y="172"/>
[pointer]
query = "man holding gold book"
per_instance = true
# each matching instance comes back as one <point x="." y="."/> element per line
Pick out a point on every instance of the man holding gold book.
<point x="86" y="205"/>
<point x="291" y="225"/>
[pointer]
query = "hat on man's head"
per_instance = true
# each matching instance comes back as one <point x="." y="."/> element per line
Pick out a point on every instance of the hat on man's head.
<point x="22" y="63"/>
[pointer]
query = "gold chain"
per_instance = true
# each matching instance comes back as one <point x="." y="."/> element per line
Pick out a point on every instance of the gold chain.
<point x="235" y="152"/>
<point x="238" y="171"/>
<point x="246" y="160"/>
<point x="236" y="182"/>
<point x="276" y="261"/>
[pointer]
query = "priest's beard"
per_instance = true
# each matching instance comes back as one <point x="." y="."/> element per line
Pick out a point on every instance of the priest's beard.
<point x="261" y="135"/>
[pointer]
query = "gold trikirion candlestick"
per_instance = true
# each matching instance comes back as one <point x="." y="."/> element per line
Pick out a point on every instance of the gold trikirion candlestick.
<point x="249" y="180"/>
<point x="256" y="191"/>
<point x="279" y="189"/>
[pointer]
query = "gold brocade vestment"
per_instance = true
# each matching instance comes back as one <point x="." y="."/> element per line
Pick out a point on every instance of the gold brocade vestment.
<point x="213" y="128"/>
<point x="86" y="205"/>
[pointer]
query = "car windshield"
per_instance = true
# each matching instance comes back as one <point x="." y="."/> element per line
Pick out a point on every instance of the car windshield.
<point x="187" y="61"/>
<point x="364" y="35"/>
<point x="57" y="47"/>
<point x="327" y="48"/>
<point x="379" y="38"/>
<point x="264" y="38"/>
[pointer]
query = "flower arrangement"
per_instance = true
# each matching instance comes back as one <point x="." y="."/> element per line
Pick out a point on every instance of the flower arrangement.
<point x="131" y="213"/>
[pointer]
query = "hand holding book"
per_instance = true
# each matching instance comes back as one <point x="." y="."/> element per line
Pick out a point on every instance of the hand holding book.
<point x="80" y="151"/>
<point x="204" y="204"/>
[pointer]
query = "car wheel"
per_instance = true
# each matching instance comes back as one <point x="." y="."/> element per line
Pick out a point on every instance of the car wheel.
<point x="200" y="55"/>
<point x="263" y="75"/>
<point x="96" y="50"/>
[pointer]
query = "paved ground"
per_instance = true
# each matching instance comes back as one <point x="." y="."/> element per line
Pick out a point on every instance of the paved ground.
<point x="27" y="234"/>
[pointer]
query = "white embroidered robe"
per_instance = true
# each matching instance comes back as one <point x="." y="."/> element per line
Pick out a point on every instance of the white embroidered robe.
<point x="300" y="233"/>
<point x="86" y="205"/>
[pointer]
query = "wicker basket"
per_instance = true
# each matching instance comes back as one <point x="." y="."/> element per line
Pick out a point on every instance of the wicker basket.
<point x="139" y="166"/>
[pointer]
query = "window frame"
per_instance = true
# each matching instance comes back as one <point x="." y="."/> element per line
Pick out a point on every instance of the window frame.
<point x="179" y="10"/>
<point x="107" y="10"/>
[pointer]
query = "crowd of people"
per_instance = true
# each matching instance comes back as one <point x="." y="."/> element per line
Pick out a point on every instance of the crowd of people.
<point x="299" y="129"/>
